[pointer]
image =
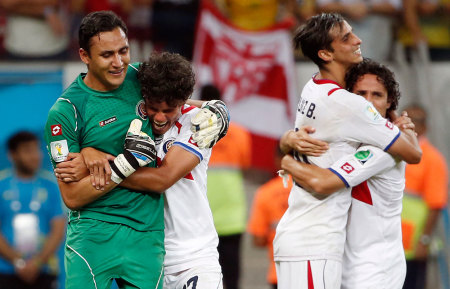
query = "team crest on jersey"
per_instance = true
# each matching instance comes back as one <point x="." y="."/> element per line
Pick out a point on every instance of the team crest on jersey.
<point x="59" y="150"/>
<point x="140" y="110"/>
<point x="389" y="125"/>
<point x="363" y="156"/>
<point x="372" y="113"/>
<point x="56" y="129"/>
<point x="347" y="168"/>
<point x="168" y="144"/>
<point x="107" y="121"/>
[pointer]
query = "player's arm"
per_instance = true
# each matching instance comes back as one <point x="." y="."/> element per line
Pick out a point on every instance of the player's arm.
<point x="301" y="141"/>
<point x="406" y="147"/>
<point x="312" y="178"/>
<point x="177" y="163"/>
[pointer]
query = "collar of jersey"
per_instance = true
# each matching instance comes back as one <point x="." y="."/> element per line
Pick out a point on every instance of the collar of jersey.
<point x="324" y="81"/>
<point x="90" y="90"/>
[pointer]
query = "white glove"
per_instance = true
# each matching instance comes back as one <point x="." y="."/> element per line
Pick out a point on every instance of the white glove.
<point x="139" y="150"/>
<point x="210" y="124"/>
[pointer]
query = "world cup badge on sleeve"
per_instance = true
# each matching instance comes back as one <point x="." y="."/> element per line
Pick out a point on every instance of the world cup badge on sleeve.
<point x="59" y="150"/>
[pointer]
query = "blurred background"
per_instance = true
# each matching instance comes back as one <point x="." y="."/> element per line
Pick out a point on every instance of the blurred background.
<point x="243" y="49"/>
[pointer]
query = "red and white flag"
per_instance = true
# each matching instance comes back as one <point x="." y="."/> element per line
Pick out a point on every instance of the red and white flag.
<point x="255" y="72"/>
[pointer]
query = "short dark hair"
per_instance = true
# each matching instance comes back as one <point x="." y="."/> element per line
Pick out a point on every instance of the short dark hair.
<point x="315" y="35"/>
<point x="18" y="138"/>
<point x="97" y="22"/>
<point x="209" y="92"/>
<point x="384" y="75"/>
<point x="166" y="77"/>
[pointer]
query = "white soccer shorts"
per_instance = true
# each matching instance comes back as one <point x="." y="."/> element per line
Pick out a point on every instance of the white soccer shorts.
<point x="314" y="274"/>
<point x="199" y="277"/>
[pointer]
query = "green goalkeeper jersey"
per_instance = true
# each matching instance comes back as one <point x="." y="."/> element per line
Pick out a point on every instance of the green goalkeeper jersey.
<point x="83" y="117"/>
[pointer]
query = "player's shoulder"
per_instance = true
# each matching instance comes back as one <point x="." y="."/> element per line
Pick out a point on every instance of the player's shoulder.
<point x="132" y="70"/>
<point x="188" y="112"/>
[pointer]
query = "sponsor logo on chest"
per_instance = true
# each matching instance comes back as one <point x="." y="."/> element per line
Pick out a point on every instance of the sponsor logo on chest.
<point x="107" y="121"/>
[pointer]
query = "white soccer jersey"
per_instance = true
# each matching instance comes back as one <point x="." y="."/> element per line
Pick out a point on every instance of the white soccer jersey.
<point x="190" y="236"/>
<point x="373" y="256"/>
<point x="313" y="227"/>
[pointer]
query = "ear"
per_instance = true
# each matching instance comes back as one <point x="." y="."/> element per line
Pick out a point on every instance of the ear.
<point x="325" y="55"/>
<point x="84" y="55"/>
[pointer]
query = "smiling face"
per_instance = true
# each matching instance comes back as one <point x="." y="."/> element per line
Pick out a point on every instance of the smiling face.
<point x="346" y="45"/>
<point x="369" y="87"/>
<point x="162" y="116"/>
<point x="107" y="60"/>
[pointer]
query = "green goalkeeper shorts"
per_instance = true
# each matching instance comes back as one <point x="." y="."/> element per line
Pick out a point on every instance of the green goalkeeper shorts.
<point x="97" y="252"/>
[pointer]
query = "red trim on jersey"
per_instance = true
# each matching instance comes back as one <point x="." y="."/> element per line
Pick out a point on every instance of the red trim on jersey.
<point x="191" y="141"/>
<point x="310" y="277"/>
<point x="178" y="125"/>
<point x="158" y="161"/>
<point x="333" y="90"/>
<point x="189" y="176"/>
<point x="324" y="81"/>
<point x="362" y="193"/>
<point x="187" y="109"/>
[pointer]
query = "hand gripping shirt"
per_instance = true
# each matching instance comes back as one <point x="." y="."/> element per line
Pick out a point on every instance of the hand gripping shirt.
<point x="373" y="255"/>
<point x="313" y="226"/>
<point x="191" y="238"/>
<point x="83" y="117"/>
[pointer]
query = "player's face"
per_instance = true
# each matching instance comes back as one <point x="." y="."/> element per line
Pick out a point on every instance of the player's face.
<point x="108" y="60"/>
<point x="369" y="87"/>
<point x="27" y="158"/>
<point x="162" y="116"/>
<point x="346" y="45"/>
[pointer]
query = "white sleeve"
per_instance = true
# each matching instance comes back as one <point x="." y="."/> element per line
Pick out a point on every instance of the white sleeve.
<point x="362" y="123"/>
<point x="184" y="138"/>
<point x="365" y="163"/>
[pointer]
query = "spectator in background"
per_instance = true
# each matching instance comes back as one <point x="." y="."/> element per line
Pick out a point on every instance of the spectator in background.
<point x="427" y="21"/>
<point x="31" y="219"/>
<point x="173" y="25"/>
<point x="258" y="14"/>
<point x="371" y="20"/>
<point x="269" y="204"/>
<point x="35" y="30"/>
<point x="226" y="192"/>
<point x="425" y="197"/>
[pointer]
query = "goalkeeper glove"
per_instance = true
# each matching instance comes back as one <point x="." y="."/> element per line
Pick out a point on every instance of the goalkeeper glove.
<point x="139" y="150"/>
<point x="210" y="124"/>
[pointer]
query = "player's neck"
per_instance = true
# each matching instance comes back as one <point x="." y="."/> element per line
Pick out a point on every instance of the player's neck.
<point x="334" y="71"/>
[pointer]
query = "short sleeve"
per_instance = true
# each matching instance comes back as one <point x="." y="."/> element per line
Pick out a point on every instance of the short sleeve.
<point x="62" y="130"/>
<point x="365" y="163"/>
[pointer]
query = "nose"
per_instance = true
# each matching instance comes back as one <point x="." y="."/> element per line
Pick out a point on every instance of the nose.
<point x="159" y="117"/>
<point x="117" y="61"/>
<point x="357" y="40"/>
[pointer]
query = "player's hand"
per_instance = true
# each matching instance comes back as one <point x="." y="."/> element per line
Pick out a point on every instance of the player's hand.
<point x="210" y="124"/>
<point x="97" y="163"/>
<point x="72" y="169"/>
<point x="303" y="143"/>
<point x="139" y="150"/>
<point x="403" y="122"/>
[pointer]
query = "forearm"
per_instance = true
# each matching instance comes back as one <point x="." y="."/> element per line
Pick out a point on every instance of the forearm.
<point x="313" y="178"/>
<point x="430" y="223"/>
<point x="6" y="251"/>
<point x="78" y="194"/>
<point x="53" y="240"/>
<point x="407" y="148"/>
<point x="193" y="102"/>
<point x="148" y="180"/>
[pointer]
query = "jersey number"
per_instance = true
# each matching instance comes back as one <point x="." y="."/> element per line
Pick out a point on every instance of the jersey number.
<point x="193" y="280"/>
<point x="310" y="111"/>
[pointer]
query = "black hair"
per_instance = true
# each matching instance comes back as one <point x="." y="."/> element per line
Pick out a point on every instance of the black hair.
<point x="18" y="138"/>
<point x="315" y="35"/>
<point x="97" y="22"/>
<point x="166" y="77"/>
<point x="210" y="92"/>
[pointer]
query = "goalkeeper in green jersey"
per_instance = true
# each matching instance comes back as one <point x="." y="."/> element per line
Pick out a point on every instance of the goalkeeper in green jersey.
<point x="113" y="232"/>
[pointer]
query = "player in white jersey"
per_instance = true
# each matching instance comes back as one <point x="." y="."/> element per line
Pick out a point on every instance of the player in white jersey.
<point x="310" y="237"/>
<point x="374" y="256"/>
<point x="191" y="259"/>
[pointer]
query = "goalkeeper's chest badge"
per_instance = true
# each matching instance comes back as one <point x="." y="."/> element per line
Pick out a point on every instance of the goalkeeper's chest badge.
<point x="168" y="144"/>
<point x="140" y="110"/>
